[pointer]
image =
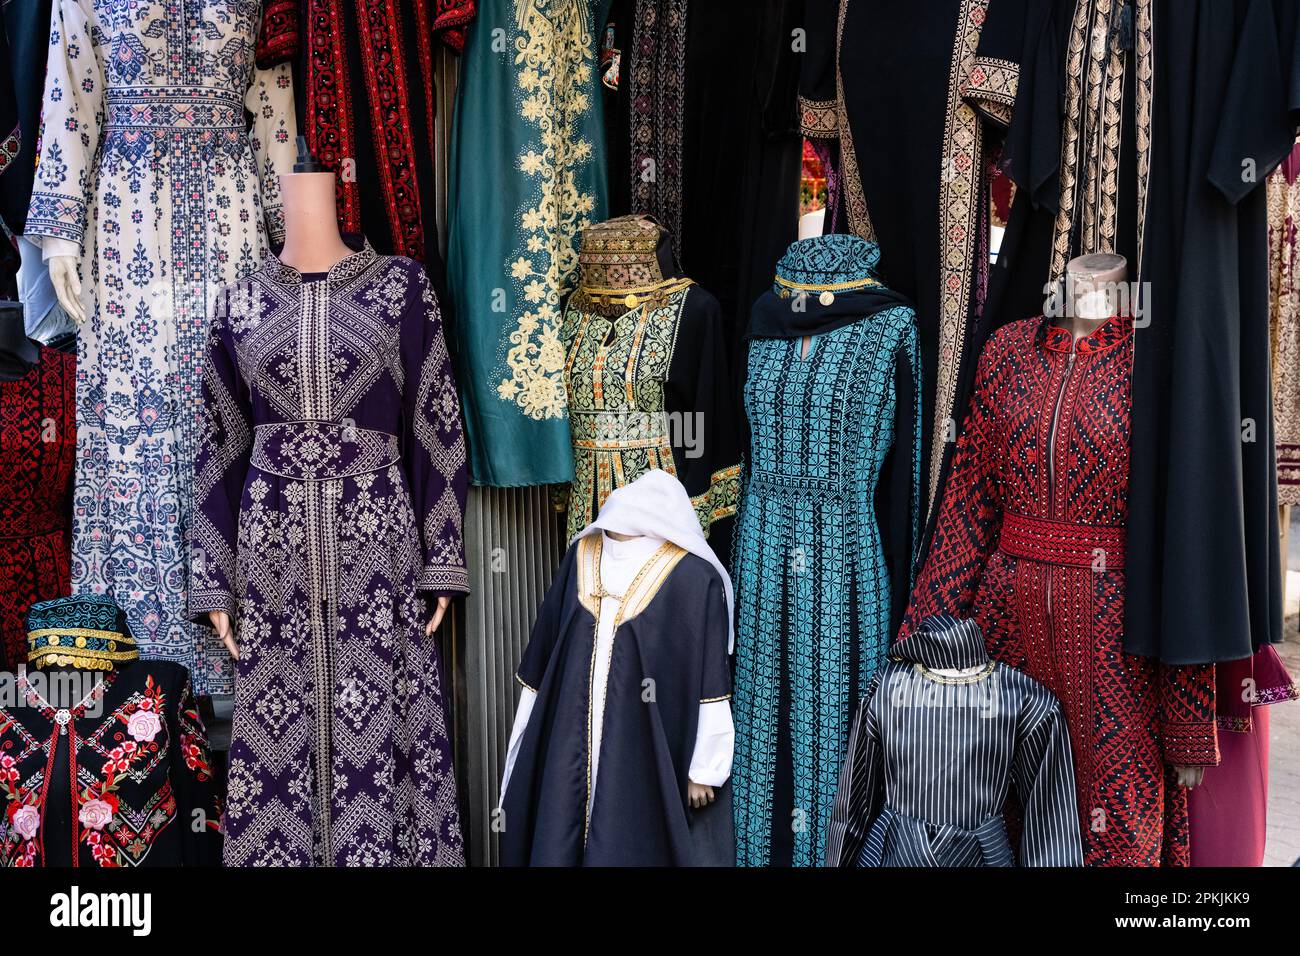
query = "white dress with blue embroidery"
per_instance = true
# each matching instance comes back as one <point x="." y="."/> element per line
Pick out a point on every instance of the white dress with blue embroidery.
<point x="152" y="175"/>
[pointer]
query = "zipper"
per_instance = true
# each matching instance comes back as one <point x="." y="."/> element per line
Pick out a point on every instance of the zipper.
<point x="1051" y="450"/>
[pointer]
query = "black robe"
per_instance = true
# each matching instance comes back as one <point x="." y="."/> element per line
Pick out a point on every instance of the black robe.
<point x="673" y="632"/>
<point x="905" y="97"/>
<point x="715" y="107"/>
<point x="1169" y="129"/>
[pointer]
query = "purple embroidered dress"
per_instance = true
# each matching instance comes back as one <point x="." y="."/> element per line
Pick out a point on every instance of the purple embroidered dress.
<point x="330" y="493"/>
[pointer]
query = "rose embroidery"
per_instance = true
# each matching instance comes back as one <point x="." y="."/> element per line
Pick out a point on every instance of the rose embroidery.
<point x="144" y="726"/>
<point x="27" y="822"/>
<point x="95" y="814"/>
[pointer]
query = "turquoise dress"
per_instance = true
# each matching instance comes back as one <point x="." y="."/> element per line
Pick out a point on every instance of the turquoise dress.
<point x="814" y="573"/>
<point x="527" y="176"/>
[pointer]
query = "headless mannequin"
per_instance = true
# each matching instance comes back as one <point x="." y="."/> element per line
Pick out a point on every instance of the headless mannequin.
<point x="18" y="353"/>
<point x="312" y="244"/>
<point x="1092" y="282"/>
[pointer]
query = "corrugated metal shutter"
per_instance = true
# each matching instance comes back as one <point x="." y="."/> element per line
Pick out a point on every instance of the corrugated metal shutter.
<point x="514" y="539"/>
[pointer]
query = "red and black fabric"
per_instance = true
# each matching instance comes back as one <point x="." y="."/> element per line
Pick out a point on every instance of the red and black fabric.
<point x="1029" y="541"/>
<point x="120" y="778"/>
<point x="38" y="438"/>
<point x="368" y="71"/>
<point x="277" y="40"/>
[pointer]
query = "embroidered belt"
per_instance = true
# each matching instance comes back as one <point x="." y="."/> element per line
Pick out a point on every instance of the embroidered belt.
<point x="618" y="430"/>
<point x="1063" y="542"/>
<point x="320" y="451"/>
<point x="174" y="108"/>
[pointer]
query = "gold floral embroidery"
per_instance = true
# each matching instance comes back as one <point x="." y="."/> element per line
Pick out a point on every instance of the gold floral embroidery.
<point x="554" y="66"/>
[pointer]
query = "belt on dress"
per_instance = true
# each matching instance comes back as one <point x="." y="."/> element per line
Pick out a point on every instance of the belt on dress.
<point x="172" y="108"/>
<point x="1062" y="543"/>
<point x="618" y="429"/>
<point x="321" y="451"/>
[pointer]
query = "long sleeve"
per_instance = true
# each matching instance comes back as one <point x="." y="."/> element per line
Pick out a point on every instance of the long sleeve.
<point x="527" y="698"/>
<point x="198" y="811"/>
<point x="970" y="515"/>
<point x="818" y="81"/>
<point x="433" y="443"/>
<point x="898" y="501"/>
<point x="70" y="127"/>
<point x="715" y="745"/>
<point x="1043" y="776"/>
<point x="715" y="734"/>
<point x="1188" y="730"/>
<point x="994" y="77"/>
<point x="221" y="464"/>
<point x="861" y="788"/>
<point x="270" y="102"/>
<point x="698" y="399"/>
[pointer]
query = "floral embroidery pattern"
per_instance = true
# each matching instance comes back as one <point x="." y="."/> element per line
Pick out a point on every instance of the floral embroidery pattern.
<point x="555" y="66"/>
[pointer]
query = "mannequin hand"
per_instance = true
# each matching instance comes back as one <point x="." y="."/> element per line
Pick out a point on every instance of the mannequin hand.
<point x="1189" y="776"/>
<point x="221" y="624"/>
<point x="67" y="286"/>
<point x="698" y="795"/>
<point x="434" y="621"/>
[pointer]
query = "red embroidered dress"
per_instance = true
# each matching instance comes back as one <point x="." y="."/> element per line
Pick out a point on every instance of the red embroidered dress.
<point x="371" y="72"/>
<point x="38" y="437"/>
<point x="1030" y="542"/>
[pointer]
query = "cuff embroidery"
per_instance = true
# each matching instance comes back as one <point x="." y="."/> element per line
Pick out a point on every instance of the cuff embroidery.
<point x="991" y="87"/>
<point x="819" y="119"/>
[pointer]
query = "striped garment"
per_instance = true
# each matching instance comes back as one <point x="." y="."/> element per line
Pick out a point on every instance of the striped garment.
<point x="932" y="758"/>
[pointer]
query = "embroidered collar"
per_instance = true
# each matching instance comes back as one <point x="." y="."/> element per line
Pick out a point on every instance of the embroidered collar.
<point x="613" y="302"/>
<point x="943" y="642"/>
<point x="1109" y="334"/>
<point x="346" y="269"/>
<point x="88" y="631"/>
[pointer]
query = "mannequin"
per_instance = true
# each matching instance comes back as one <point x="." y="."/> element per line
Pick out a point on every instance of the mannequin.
<point x="61" y="257"/>
<point x="623" y="733"/>
<point x="1031" y="543"/>
<point x="1090" y="286"/>
<point x="636" y="320"/>
<point x="18" y="353"/>
<point x="312" y="245"/>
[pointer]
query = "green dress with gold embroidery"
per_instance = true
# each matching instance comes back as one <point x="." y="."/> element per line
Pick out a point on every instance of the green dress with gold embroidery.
<point x="648" y="388"/>
<point x="527" y="175"/>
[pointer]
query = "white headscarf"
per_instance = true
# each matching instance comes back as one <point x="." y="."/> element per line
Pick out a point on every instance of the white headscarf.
<point x="656" y="505"/>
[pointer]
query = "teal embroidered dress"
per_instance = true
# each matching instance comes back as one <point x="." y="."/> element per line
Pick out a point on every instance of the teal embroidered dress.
<point x="527" y="176"/>
<point x="834" y="441"/>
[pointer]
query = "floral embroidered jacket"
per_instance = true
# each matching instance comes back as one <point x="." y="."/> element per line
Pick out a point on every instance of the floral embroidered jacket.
<point x="121" y="778"/>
